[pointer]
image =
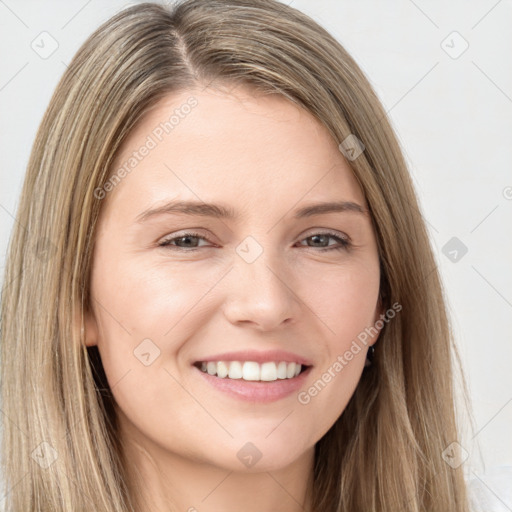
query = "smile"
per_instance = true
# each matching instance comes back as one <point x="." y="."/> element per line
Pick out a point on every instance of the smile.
<point x="251" y="370"/>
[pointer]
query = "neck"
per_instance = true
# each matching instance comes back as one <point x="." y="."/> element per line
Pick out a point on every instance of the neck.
<point x="168" y="482"/>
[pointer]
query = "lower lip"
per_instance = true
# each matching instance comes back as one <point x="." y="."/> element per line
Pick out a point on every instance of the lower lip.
<point x="256" y="391"/>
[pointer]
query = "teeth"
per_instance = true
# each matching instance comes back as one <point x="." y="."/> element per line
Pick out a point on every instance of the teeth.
<point x="252" y="371"/>
<point x="281" y="370"/>
<point x="268" y="371"/>
<point x="222" y="369"/>
<point x="235" y="370"/>
<point x="211" y="368"/>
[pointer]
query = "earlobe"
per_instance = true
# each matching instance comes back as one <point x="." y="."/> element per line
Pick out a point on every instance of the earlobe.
<point x="89" y="327"/>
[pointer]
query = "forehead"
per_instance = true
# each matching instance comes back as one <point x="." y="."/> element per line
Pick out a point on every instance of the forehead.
<point x="256" y="152"/>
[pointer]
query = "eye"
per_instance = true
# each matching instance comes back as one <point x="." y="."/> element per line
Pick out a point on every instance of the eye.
<point x="189" y="241"/>
<point x="184" y="241"/>
<point x="322" y="238"/>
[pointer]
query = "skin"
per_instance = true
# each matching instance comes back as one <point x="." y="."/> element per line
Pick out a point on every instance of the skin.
<point x="264" y="157"/>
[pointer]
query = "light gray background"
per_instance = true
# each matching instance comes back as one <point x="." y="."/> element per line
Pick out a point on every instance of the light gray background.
<point x="453" y="116"/>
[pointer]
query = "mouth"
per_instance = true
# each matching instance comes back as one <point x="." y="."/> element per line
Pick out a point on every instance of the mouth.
<point x="252" y="371"/>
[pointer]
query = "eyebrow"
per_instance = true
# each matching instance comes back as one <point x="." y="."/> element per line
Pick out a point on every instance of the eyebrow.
<point x="199" y="208"/>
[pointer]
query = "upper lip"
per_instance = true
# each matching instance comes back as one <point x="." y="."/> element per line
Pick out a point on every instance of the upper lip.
<point x="258" y="357"/>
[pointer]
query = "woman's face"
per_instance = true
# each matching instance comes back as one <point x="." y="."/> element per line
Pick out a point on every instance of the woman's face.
<point x="269" y="285"/>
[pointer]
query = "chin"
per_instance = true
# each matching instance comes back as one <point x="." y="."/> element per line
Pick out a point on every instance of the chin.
<point x="258" y="454"/>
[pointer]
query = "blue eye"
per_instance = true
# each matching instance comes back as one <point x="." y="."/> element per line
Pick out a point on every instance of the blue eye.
<point x="190" y="241"/>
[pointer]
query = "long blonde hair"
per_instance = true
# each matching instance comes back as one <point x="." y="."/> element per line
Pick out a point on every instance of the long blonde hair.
<point x="60" y="450"/>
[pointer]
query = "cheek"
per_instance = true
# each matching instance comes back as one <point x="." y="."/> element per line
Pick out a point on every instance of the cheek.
<point x="345" y="299"/>
<point x="141" y="301"/>
<point x="146" y="314"/>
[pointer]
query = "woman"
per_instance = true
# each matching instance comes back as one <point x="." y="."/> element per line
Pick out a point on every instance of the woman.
<point x="232" y="302"/>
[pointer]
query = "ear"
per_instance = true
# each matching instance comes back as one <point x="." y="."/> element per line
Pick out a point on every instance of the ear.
<point x="379" y="310"/>
<point x="90" y="334"/>
<point x="377" y="320"/>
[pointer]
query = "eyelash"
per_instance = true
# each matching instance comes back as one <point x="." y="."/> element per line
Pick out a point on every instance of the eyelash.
<point x="344" y="242"/>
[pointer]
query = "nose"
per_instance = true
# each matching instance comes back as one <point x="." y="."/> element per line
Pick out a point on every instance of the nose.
<point x="261" y="293"/>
